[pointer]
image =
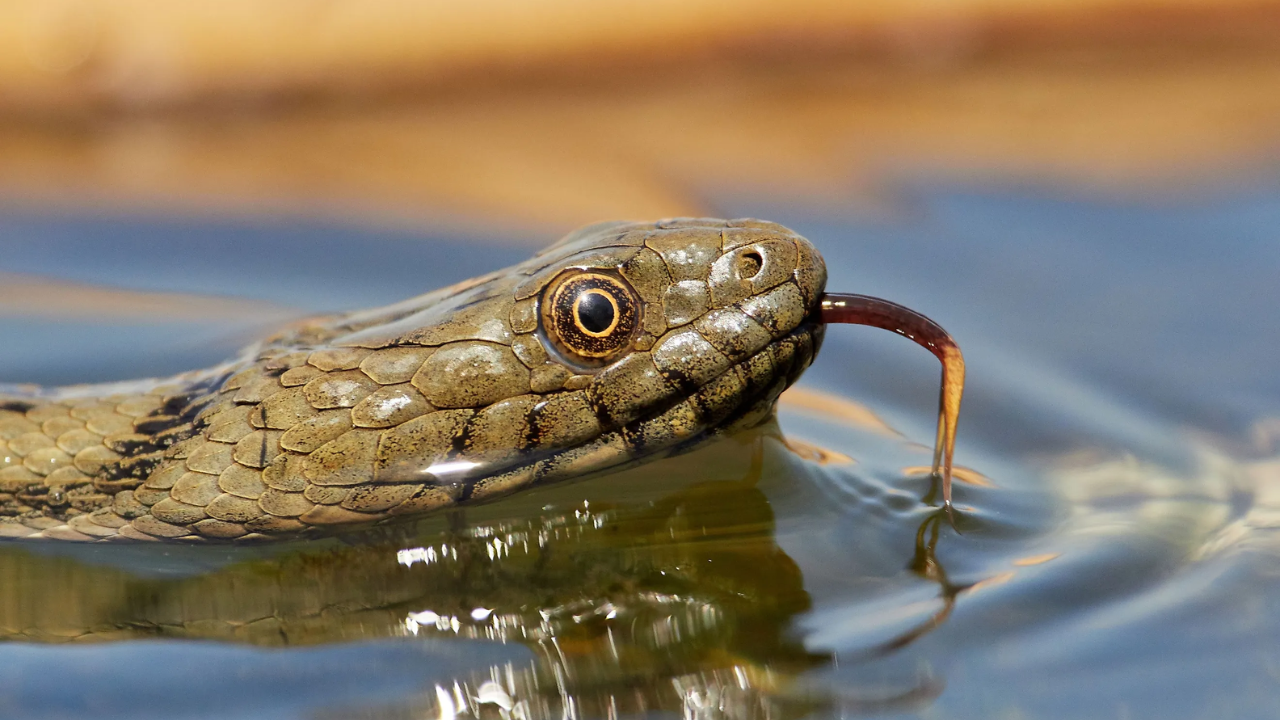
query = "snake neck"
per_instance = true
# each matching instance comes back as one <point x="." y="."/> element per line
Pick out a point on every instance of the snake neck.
<point x="93" y="462"/>
<point x="146" y="460"/>
<point x="70" y="453"/>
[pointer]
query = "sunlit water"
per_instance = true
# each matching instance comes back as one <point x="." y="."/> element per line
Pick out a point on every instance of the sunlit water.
<point x="1113" y="555"/>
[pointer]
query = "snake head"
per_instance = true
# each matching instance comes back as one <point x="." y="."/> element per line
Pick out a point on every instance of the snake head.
<point x="621" y="342"/>
<point x="705" y="308"/>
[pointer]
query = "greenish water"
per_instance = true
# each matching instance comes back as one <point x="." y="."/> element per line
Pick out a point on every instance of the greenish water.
<point x="1115" y="557"/>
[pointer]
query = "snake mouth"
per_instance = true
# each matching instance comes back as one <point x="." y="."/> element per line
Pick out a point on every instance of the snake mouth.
<point x="742" y="396"/>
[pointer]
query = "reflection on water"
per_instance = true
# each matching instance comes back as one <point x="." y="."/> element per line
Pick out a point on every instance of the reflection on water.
<point x="1114" y="552"/>
<point x="663" y="591"/>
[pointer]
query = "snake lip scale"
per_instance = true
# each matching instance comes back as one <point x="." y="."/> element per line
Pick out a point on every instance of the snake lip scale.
<point x="621" y="343"/>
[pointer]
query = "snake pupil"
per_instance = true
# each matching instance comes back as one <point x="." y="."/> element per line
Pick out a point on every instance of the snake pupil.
<point x="595" y="312"/>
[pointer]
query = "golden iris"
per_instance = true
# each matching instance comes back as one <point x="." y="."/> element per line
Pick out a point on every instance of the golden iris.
<point x="591" y="316"/>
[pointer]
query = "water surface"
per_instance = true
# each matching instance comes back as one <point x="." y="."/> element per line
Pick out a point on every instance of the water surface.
<point x="1113" y="556"/>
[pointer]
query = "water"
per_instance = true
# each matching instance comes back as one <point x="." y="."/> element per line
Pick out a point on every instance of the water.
<point x="1114" y="554"/>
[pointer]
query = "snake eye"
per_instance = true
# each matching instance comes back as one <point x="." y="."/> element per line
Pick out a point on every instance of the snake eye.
<point x="590" y="317"/>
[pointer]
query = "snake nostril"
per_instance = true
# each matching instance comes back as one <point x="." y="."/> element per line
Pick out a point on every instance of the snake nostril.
<point x="749" y="264"/>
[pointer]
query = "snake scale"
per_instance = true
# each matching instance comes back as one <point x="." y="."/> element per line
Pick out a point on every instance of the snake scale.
<point x="621" y="342"/>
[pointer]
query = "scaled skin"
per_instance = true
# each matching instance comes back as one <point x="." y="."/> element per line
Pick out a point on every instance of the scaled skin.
<point x="456" y="396"/>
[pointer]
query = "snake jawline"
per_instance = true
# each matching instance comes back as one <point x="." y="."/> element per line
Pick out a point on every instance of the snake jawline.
<point x="742" y="397"/>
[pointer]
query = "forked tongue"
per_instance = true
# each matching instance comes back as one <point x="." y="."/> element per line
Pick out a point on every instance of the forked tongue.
<point x="863" y="310"/>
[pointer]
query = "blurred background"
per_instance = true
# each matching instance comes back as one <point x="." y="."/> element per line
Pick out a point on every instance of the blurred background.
<point x="521" y="120"/>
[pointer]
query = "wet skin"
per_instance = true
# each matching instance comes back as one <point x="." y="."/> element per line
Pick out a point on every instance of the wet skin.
<point x="621" y="343"/>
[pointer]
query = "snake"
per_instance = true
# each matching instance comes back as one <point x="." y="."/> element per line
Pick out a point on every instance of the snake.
<point x="621" y="343"/>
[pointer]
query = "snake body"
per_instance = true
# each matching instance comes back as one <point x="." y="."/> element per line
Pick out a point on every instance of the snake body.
<point x="621" y="342"/>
